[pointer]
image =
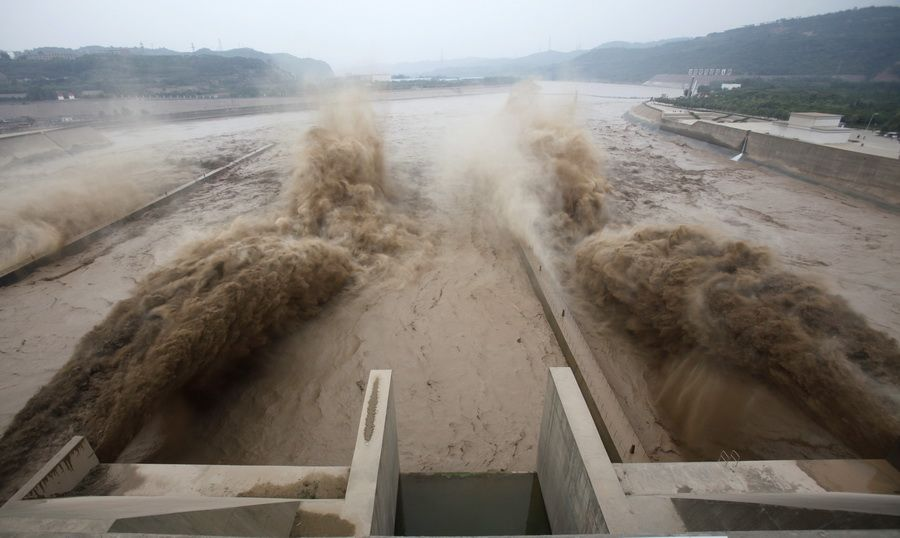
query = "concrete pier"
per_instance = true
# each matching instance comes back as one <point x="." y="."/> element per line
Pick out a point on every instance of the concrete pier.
<point x="371" y="501"/>
<point x="581" y="491"/>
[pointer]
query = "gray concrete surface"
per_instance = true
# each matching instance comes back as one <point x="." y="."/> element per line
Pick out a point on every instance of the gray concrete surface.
<point x="578" y="481"/>
<point x="151" y="479"/>
<point x="62" y="473"/>
<point x="95" y="498"/>
<point x="239" y="516"/>
<point x="371" y="500"/>
<point x="789" y="476"/>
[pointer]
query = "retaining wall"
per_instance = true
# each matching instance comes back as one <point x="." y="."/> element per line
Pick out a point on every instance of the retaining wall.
<point x="872" y="178"/>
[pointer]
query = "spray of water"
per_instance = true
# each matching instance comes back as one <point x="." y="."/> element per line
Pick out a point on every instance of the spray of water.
<point x="687" y="292"/>
<point x="221" y="299"/>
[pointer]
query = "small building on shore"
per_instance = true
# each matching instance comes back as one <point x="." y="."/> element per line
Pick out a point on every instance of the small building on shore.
<point x="814" y="127"/>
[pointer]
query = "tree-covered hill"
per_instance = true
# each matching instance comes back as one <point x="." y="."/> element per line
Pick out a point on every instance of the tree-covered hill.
<point x="862" y="42"/>
<point x="243" y="72"/>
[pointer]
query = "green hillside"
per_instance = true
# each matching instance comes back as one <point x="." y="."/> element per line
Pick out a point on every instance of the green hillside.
<point x="862" y="42"/>
<point x="240" y="73"/>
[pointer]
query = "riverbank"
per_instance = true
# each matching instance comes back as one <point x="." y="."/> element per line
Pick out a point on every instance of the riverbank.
<point x="873" y="178"/>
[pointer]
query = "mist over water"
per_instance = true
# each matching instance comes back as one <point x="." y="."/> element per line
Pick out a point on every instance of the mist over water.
<point x="220" y="299"/>
<point x="38" y="221"/>
<point x="720" y="309"/>
<point x="688" y="292"/>
<point x="714" y="311"/>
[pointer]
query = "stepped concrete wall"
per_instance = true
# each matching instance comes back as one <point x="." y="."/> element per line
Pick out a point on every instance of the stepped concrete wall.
<point x="872" y="178"/>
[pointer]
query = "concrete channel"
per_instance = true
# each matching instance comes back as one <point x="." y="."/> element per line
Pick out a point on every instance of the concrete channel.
<point x="18" y="270"/>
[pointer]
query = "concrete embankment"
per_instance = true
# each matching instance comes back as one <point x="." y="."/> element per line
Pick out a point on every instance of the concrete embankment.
<point x="869" y="177"/>
<point x="39" y="145"/>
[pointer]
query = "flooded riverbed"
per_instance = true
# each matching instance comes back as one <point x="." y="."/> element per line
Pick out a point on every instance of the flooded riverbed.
<point x="454" y="316"/>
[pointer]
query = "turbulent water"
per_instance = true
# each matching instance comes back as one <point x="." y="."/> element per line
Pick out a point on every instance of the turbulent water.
<point x="465" y="334"/>
<point x="687" y="292"/>
<point x="37" y="221"/>
<point x="222" y="298"/>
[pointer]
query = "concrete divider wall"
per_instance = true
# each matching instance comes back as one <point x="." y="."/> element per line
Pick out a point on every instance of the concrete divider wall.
<point x="619" y="438"/>
<point x="579" y="484"/>
<point x="370" y="504"/>
<point x="729" y="137"/>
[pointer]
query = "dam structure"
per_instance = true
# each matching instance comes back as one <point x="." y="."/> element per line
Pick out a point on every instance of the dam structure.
<point x="582" y="490"/>
<point x="585" y="466"/>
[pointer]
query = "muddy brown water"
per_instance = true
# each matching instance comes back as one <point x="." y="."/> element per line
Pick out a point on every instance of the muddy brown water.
<point x="457" y="321"/>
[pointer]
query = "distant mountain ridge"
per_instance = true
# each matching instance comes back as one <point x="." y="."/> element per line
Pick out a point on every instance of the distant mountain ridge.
<point x="299" y="67"/>
<point x="863" y="42"/>
<point x="46" y="72"/>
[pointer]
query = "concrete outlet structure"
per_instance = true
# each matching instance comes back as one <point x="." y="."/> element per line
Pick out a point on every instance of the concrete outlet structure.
<point x="584" y="491"/>
<point x="76" y="494"/>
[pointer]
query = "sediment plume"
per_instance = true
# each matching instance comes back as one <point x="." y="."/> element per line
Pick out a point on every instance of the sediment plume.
<point x="339" y="190"/>
<point x="35" y="222"/>
<point x="572" y="187"/>
<point x="220" y="300"/>
<point x="687" y="292"/>
<point x="537" y="168"/>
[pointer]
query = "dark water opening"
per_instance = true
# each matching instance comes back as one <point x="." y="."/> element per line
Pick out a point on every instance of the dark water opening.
<point x="484" y="504"/>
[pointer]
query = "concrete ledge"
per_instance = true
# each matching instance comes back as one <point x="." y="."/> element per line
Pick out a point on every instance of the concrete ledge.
<point x="787" y="476"/>
<point x="788" y="511"/>
<point x="269" y="481"/>
<point x="196" y="515"/>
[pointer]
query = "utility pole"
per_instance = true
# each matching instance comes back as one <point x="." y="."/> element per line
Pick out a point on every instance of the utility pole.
<point x="870" y="120"/>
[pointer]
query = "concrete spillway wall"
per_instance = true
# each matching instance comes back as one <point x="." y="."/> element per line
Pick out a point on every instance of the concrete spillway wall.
<point x="42" y="145"/>
<point x="869" y="177"/>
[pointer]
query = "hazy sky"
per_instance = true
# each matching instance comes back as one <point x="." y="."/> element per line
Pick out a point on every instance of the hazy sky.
<point x="350" y="34"/>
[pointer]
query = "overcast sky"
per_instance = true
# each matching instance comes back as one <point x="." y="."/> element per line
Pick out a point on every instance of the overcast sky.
<point x="351" y="34"/>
